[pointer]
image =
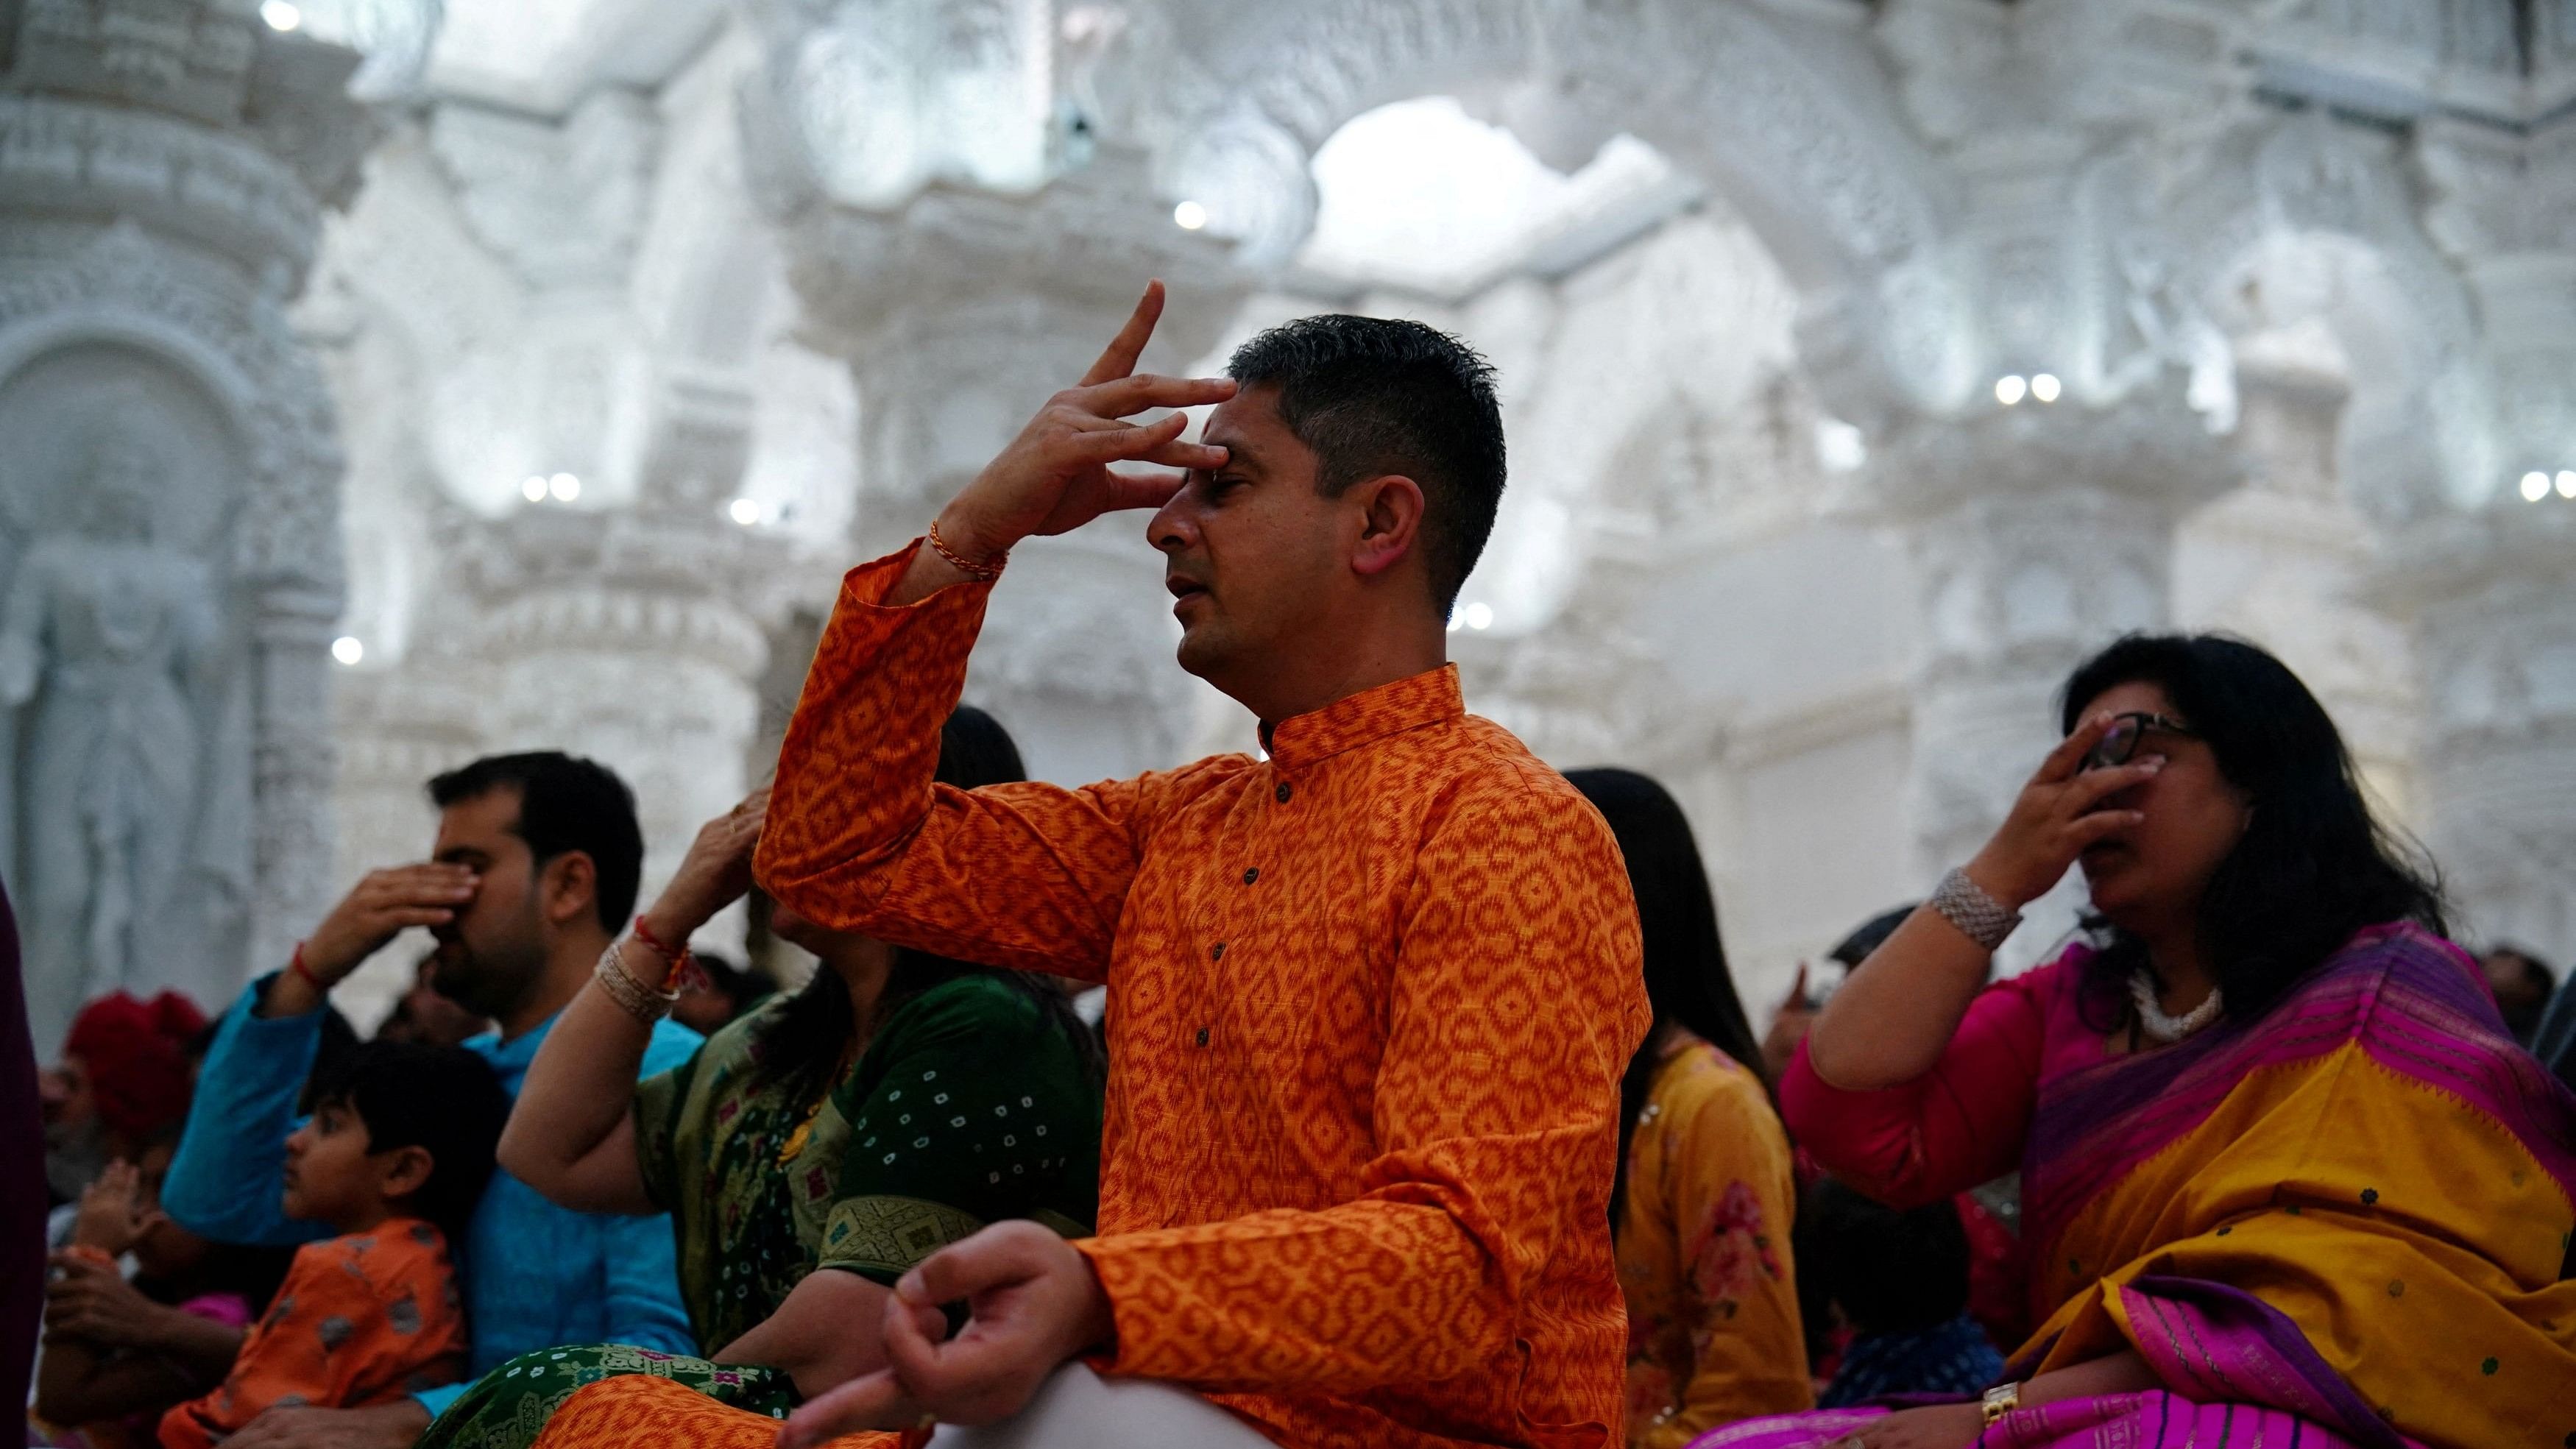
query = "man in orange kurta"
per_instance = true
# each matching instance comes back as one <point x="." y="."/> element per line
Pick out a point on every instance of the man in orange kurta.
<point x="1370" y="995"/>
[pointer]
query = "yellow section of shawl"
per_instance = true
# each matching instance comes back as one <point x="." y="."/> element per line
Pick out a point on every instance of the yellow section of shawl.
<point x="2413" y="1240"/>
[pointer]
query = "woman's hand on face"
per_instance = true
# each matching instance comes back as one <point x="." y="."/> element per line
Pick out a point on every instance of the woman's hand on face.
<point x="2058" y="814"/>
<point x="715" y="873"/>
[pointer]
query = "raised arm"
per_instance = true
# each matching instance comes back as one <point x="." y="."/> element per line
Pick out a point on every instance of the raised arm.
<point x="859" y="838"/>
<point x="1916" y="1081"/>
<point x="224" y="1180"/>
<point x="1896" y="1015"/>
<point x="572" y="1132"/>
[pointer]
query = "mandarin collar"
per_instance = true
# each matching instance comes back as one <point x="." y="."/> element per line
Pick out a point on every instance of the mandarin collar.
<point x="1431" y="697"/>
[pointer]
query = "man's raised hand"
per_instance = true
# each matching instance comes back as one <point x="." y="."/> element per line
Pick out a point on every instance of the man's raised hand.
<point x="375" y="911"/>
<point x="1056" y="475"/>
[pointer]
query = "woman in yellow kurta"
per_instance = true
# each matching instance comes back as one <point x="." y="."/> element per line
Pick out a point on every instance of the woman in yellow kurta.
<point x="1701" y="1212"/>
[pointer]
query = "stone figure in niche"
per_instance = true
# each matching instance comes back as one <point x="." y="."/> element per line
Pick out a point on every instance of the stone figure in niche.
<point x="112" y="662"/>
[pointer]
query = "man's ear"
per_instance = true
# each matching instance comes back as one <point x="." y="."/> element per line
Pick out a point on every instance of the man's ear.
<point x="1390" y="522"/>
<point x="569" y="887"/>
<point x="404" y="1171"/>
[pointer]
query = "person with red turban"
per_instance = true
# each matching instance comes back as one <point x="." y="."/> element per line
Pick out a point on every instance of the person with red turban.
<point x="123" y="1083"/>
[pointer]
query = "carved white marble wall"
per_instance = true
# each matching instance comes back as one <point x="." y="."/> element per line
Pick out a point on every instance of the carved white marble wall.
<point x="591" y="467"/>
<point x="1774" y="532"/>
<point x="168" y="517"/>
<point x="960" y="312"/>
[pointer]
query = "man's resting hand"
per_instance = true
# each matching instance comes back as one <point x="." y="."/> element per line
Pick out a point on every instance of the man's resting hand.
<point x="1034" y="1303"/>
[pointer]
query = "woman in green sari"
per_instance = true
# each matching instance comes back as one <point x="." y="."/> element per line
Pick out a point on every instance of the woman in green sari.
<point x="811" y="1152"/>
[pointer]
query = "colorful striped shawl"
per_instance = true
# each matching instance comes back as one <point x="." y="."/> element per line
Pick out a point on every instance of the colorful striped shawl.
<point x="2354" y="1207"/>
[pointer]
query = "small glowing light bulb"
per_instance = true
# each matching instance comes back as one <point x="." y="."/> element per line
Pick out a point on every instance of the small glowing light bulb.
<point x="2566" y="483"/>
<point x="1189" y="216"/>
<point x="347" y="649"/>
<point x="2010" y="388"/>
<point x="280" y="15"/>
<point x="564" y="487"/>
<point x="744" y="512"/>
<point x="2043" y="386"/>
<point x="1479" y="616"/>
<point x="533" y="489"/>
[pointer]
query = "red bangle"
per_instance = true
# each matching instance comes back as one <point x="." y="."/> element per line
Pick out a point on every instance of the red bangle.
<point x="295" y="965"/>
<point x="685" y="971"/>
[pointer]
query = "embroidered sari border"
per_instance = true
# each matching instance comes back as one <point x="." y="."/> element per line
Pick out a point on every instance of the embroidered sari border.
<point x="2406" y="997"/>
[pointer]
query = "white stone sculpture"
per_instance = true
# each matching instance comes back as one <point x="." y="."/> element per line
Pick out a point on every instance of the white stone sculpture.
<point x="114" y="651"/>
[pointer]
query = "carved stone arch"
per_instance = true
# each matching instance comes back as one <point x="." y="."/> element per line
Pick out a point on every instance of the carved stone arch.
<point x="1794" y="123"/>
<point x="2415" y="436"/>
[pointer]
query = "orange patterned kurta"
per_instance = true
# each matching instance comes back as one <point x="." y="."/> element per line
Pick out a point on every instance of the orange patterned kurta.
<point x="1369" y="1002"/>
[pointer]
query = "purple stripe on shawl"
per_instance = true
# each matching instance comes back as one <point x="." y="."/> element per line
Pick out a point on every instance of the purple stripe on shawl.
<point x="2218" y="1344"/>
<point x="2408" y="997"/>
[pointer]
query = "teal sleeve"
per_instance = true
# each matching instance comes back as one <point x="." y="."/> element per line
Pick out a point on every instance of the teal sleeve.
<point x="436" y="1400"/>
<point x="227" y="1179"/>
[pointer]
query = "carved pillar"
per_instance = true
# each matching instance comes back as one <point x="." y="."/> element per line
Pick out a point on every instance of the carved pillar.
<point x="163" y="168"/>
<point x="2496" y="635"/>
<point x="2038" y="535"/>
<point x="623" y="636"/>
<point x="2495" y="623"/>
<point x="960" y="313"/>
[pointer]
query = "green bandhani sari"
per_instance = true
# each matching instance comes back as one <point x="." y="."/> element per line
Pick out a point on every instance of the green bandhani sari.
<point x="970" y="1106"/>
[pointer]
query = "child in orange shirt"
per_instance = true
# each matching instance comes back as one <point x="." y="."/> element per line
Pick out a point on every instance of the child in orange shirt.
<point x="393" y="1159"/>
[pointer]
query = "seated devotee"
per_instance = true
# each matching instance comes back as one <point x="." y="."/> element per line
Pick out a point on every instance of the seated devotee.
<point x="533" y="873"/>
<point x="1899" y="1281"/>
<point x="118" y="1353"/>
<point x="2522" y="984"/>
<point x="716" y="993"/>
<point x="1370" y="997"/>
<point x="392" y="1161"/>
<point x="423" y="1014"/>
<point x="2285" y="1177"/>
<point x="810" y="1153"/>
<point x="121" y="1084"/>
<point x="1703" y="1194"/>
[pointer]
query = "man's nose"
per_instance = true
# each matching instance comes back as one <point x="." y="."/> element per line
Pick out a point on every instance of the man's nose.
<point x="1170" y="529"/>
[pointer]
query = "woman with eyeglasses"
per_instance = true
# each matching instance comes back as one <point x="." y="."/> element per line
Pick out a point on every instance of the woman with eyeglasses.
<point x="2286" y="1179"/>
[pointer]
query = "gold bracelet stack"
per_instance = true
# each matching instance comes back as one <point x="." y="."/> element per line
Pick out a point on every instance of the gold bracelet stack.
<point x="632" y="996"/>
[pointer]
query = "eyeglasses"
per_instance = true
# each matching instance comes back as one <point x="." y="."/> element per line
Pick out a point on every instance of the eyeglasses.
<point x="2127" y="732"/>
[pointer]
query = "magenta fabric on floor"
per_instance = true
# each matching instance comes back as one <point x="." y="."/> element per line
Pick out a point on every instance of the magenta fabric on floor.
<point x="2151" y="1420"/>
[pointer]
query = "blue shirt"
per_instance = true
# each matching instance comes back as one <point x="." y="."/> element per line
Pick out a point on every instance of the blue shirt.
<point x="536" y="1275"/>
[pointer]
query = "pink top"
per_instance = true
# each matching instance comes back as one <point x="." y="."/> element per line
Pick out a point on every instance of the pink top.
<point x="1961" y="1123"/>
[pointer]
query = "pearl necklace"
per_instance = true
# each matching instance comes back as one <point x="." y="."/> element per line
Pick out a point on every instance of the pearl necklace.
<point x="2155" y="1022"/>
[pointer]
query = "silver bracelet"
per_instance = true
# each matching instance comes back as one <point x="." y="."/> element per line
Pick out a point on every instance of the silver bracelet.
<point x="632" y="996"/>
<point x="1980" y="917"/>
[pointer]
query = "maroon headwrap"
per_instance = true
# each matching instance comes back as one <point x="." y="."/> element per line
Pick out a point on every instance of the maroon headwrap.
<point x="137" y="1054"/>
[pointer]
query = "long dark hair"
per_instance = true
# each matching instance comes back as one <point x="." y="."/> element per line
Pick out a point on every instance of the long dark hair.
<point x="2313" y="866"/>
<point x="1687" y="982"/>
<point x="803" y="1043"/>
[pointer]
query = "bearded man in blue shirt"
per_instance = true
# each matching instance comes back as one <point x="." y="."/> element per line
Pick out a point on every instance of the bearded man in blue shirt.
<point x="534" y="873"/>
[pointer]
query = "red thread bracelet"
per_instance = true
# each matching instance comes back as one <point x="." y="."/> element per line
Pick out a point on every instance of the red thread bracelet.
<point x="685" y="972"/>
<point x="295" y="964"/>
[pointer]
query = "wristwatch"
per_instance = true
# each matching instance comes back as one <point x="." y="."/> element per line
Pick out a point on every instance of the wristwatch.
<point x="2001" y="1400"/>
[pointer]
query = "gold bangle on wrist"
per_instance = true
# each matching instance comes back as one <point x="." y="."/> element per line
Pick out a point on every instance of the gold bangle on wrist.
<point x="985" y="572"/>
<point x="2000" y="1400"/>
